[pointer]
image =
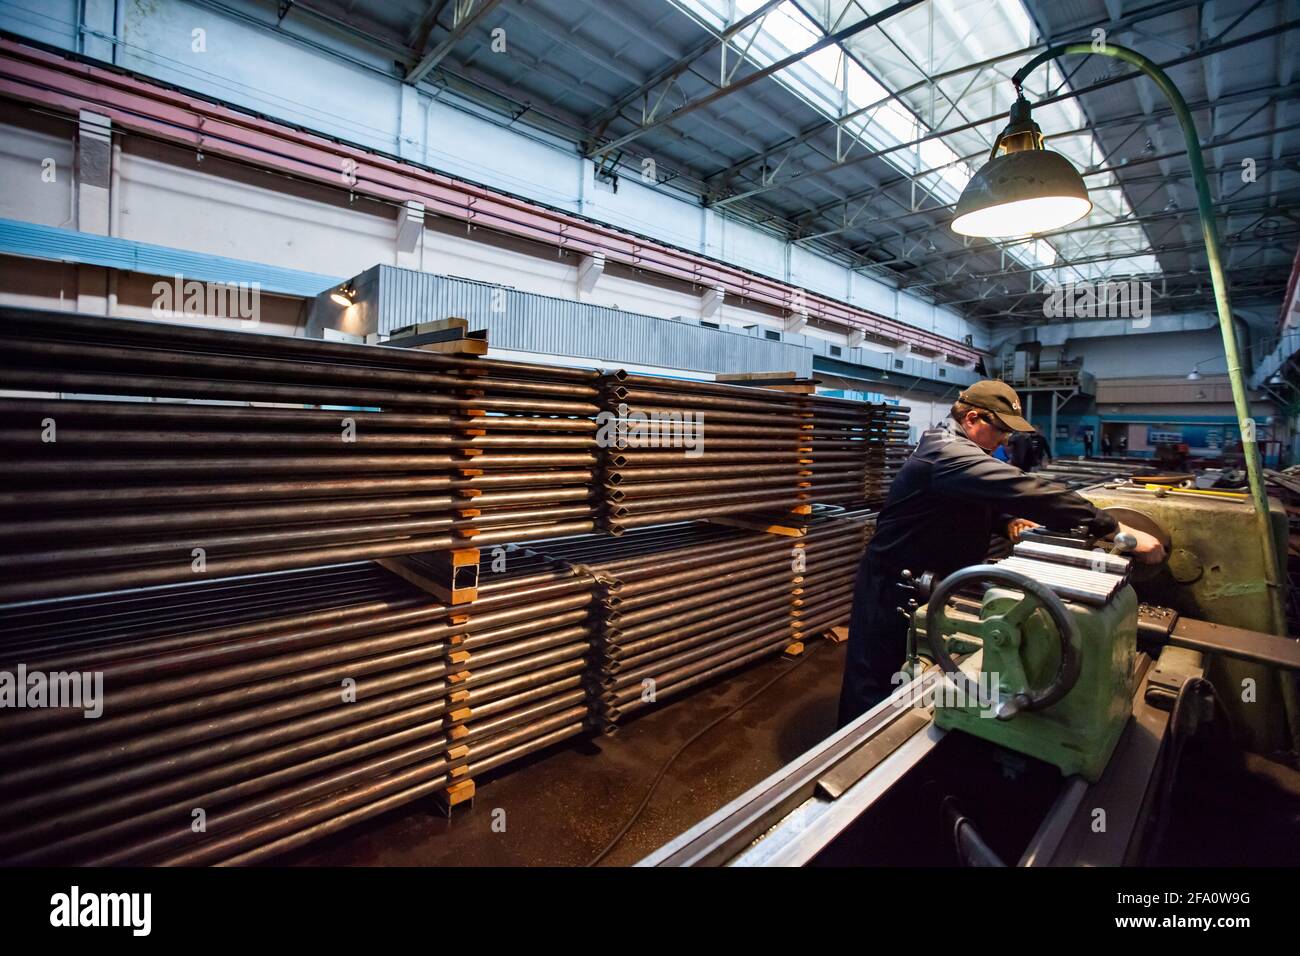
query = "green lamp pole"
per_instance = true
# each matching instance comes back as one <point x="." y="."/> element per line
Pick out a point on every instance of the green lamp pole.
<point x="1210" y="234"/>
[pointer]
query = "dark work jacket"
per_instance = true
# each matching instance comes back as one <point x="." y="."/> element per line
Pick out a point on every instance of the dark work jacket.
<point x="951" y="495"/>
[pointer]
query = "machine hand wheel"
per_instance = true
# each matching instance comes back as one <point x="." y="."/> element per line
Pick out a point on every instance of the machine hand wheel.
<point x="1005" y="630"/>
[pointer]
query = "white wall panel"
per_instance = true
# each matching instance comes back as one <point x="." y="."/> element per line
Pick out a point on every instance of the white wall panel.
<point x="812" y="271"/>
<point x="194" y="206"/>
<point x="870" y="293"/>
<point x="25" y="194"/>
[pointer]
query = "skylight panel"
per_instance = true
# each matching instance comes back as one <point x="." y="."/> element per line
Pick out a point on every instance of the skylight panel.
<point x="963" y="32"/>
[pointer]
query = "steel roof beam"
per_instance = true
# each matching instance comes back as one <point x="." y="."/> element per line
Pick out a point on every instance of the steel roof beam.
<point x="466" y="15"/>
<point x="1162" y="279"/>
<point x="1224" y="204"/>
<point x="1025" y="319"/>
<point x="990" y="245"/>
<point x="753" y="78"/>
<point x="1113" y="256"/>
<point x="1270" y="95"/>
<point x="598" y="122"/>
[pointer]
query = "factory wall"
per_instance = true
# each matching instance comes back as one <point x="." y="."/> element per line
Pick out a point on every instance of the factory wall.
<point x="169" y="197"/>
<point x="1120" y="348"/>
<point x="352" y="95"/>
<point x="1121" y="357"/>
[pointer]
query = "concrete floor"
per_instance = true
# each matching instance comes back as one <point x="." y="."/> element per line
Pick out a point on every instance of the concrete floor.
<point x="562" y="806"/>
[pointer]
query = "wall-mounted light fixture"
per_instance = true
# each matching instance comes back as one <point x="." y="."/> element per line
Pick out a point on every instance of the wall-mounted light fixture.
<point x="344" y="295"/>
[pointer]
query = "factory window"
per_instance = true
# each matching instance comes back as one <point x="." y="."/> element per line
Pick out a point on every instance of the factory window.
<point x="898" y="363"/>
<point x="836" y="351"/>
<point x="943" y="373"/>
<point x="709" y="325"/>
<point x="772" y="334"/>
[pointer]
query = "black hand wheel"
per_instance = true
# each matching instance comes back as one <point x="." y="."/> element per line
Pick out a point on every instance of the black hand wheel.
<point x="1004" y="630"/>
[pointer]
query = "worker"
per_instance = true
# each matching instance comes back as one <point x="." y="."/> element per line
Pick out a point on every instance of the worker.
<point x="946" y="502"/>
<point x="1042" y="447"/>
<point x="1021" y="449"/>
<point x="1028" y="450"/>
<point x="1087" y="443"/>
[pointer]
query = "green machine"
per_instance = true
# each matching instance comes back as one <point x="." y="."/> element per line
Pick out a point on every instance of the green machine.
<point x="1218" y="572"/>
<point x="1056" y="676"/>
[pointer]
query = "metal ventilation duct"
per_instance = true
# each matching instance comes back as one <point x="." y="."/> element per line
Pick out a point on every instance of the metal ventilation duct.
<point x="388" y="298"/>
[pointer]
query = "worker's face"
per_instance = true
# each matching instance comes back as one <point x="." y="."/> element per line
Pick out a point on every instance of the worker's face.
<point x="985" y="433"/>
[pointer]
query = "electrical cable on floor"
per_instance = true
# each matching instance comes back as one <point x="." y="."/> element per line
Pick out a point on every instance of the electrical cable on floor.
<point x="663" y="770"/>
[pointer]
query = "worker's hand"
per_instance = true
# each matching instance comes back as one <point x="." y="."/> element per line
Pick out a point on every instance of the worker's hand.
<point x="1018" y="526"/>
<point x="1148" y="550"/>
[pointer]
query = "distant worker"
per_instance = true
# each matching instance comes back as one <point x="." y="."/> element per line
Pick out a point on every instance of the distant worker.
<point x="943" y="508"/>
<point x="1020" y="450"/>
<point x="1087" y="443"/>
<point x="1041" y="447"/>
<point x="1105" y="444"/>
<point x="1028" y="450"/>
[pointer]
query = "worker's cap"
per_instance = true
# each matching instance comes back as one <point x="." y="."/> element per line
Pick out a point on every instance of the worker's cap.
<point x="1000" y="399"/>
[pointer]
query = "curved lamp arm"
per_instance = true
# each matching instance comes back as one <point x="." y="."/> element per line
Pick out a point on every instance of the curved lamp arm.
<point x="1209" y="232"/>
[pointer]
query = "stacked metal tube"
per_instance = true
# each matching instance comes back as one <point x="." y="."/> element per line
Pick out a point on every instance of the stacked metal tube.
<point x="525" y="657"/>
<point x="680" y="606"/>
<point x="354" y="452"/>
<point x="1083" y="472"/>
<point x="857" y="448"/>
<point x="194" y="532"/>
<point x="832" y="548"/>
<point x="245" y="717"/>
<point x="234" y="713"/>
<point x="688" y="449"/>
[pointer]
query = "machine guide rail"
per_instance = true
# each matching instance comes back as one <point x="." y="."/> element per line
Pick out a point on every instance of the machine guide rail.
<point x="720" y="838"/>
<point x="799" y="811"/>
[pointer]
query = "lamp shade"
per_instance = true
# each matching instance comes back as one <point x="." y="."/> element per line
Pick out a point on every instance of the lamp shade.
<point x="1019" y="193"/>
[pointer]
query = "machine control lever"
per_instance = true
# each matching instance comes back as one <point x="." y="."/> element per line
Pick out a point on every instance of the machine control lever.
<point x="1124" y="543"/>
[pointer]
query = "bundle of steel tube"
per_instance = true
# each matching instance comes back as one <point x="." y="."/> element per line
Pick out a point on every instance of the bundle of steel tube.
<point x="857" y="448"/>
<point x="1072" y="582"/>
<point x="244" y="717"/>
<point x="217" y="453"/>
<point x="523" y="684"/>
<point x="225" y="705"/>
<point x="676" y="450"/>
<point x="832" y="548"/>
<point x="681" y="605"/>
<point x="1083" y="472"/>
